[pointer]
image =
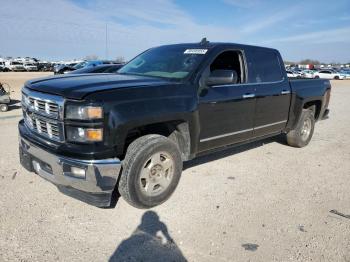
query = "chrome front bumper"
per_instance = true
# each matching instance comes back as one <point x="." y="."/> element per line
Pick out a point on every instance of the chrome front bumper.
<point x="95" y="188"/>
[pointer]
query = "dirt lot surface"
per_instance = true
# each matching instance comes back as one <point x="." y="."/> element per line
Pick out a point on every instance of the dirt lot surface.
<point x="264" y="201"/>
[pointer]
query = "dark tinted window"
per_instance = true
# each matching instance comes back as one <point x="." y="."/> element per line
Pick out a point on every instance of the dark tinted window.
<point x="265" y="66"/>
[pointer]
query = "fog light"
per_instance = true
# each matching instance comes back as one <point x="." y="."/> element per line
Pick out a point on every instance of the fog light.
<point x="77" y="172"/>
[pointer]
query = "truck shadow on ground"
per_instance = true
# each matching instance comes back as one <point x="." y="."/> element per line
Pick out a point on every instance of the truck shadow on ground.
<point x="150" y="241"/>
<point x="229" y="151"/>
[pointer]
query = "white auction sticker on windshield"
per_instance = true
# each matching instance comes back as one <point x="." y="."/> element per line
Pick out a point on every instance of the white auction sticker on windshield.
<point x="196" y="51"/>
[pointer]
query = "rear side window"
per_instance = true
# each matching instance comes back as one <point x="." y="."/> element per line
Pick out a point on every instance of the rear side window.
<point x="265" y="66"/>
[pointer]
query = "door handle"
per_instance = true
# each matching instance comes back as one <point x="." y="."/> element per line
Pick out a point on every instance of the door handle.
<point x="248" y="95"/>
<point x="285" y="92"/>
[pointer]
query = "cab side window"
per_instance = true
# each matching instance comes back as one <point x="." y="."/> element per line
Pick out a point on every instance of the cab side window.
<point x="265" y="66"/>
<point x="229" y="60"/>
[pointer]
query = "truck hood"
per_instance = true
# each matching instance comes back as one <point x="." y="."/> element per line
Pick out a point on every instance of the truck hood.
<point x="78" y="86"/>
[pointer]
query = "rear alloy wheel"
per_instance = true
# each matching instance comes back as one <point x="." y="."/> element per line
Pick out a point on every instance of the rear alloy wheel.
<point x="3" y="107"/>
<point x="302" y="134"/>
<point x="151" y="171"/>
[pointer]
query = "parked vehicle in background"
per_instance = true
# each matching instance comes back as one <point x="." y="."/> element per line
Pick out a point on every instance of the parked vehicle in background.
<point x="92" y="135"/>
<point x="14" y="66"/>
<point x="291" y="74"/>
<point x="345" y="73"/>
<point x="5" y="99"/>
<point x="294" y="74"/>
<point x="45" y="66"/>
<point x="2" y="66"/>
<point x="64" y="68"/>
<point x="328" y="74"/>
<point x="112" y="68"/>
<point x="30" y="67"/>
<point x="308" y="73"/>
<point x="92" y="63"/>
<point x="298" y="73"/>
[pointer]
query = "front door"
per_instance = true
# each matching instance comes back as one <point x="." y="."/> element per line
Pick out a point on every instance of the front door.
<point x="226" y="112"/>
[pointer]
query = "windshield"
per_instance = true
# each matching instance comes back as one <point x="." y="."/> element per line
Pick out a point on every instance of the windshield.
<point x="173" y="62"/>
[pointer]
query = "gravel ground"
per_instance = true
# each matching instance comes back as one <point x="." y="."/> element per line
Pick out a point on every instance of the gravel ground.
<point x="260" y="202"/>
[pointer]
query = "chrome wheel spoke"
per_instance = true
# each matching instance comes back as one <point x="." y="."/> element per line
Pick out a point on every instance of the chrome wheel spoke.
<point x="164" y="182"/>
<point x="167" y="163"/>
<point x="145" y="173"/>
<point x="156" y="174"/>
<point x="155" y="159"/>
<point x="149" y="187"/>
<point x="306" y="129"/>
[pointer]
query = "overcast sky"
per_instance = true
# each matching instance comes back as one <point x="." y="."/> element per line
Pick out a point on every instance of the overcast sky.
<point x="66" y="29"/>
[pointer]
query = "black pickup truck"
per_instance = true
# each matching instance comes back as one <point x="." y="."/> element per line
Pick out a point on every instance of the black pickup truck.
<point x="98" y="135"/>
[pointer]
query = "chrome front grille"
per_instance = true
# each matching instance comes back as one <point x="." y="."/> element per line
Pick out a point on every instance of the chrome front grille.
<point x="44" y="127"/>
<point x="45" y="107"/>
<point x="43" y="114"/>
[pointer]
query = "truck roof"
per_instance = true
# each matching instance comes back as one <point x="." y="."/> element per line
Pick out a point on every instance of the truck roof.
<point x="210" y="45"/>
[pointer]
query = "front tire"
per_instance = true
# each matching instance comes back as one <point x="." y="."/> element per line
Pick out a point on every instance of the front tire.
<point x="302" y="134"/>
<point x="151" y="171"/>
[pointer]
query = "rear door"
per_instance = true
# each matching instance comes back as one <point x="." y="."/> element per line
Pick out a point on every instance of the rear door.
<point x="272" y="92"/>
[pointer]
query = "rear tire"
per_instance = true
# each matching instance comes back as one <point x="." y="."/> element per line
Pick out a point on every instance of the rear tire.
<point x="302" y="134"/>
<point x="317" y="77"/>
<point x="151" y="171"/>
<point x="336" y="77"/>
<point x="3" y="107"/>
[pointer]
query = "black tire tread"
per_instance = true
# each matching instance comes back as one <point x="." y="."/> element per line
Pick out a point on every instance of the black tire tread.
<point x="293" y="136"/>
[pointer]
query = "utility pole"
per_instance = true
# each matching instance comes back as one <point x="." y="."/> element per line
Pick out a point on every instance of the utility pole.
<point x="106" y="43"/>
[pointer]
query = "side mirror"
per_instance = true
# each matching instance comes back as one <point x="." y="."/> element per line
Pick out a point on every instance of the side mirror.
<point x="222" y="77"/>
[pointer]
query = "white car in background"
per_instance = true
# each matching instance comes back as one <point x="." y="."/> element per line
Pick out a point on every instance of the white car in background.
<point x="308" y="74"/>
<point x="292" y="74"/>
<point x="14" y="66"/>
<point x="328" y="74"/>
<point x="345" y="73"/>
<point x="2" y="66"/>
<point x="30" y="67"/>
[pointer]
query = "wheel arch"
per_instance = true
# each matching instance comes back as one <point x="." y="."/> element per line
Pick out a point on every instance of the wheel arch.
<point x="176" y="130"/>
<point x="315" y="106"/>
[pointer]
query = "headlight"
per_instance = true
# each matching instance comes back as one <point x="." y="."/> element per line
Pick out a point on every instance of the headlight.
<point x="81" y="134"/>
<point x="83" y="112"/>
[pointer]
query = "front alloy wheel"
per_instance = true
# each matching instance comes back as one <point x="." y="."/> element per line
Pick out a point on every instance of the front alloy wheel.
<point x="156" y="174"/>
<point x="151" y="171"/>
